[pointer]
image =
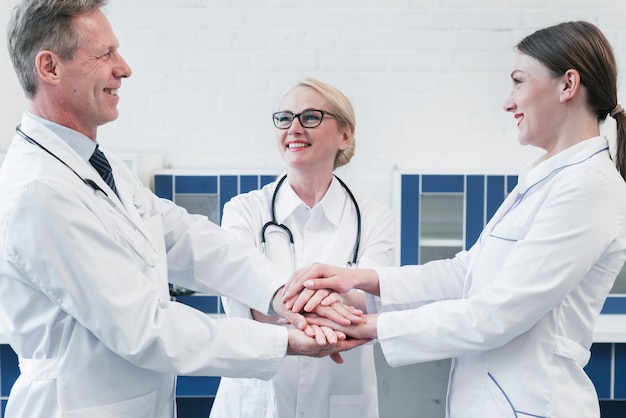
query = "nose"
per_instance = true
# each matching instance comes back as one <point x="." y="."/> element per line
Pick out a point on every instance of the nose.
<point x="509" y="104"/>
<point x="296" y="127"/>
<point x="122" y="69"/>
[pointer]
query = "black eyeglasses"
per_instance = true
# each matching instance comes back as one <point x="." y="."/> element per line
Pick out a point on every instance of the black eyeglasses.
<point x="311" y="118"/>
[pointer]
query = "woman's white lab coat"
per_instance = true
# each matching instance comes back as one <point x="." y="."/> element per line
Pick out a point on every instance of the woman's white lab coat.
<point x="314" y="388"/>
<point x="516" y="312"/>
<point x="88" y="315"/>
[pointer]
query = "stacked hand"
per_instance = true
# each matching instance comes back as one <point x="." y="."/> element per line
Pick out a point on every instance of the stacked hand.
<point x="313" y="301"/>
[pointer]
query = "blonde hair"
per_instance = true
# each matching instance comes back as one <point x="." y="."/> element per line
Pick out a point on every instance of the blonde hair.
<point x="341" y="107"/>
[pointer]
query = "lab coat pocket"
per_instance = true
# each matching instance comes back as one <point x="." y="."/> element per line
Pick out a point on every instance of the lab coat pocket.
<point x="243" y="398"/>
<point x="509" y="232"/>
<point x="348" y="406"/>
<point x="140" y="407"/>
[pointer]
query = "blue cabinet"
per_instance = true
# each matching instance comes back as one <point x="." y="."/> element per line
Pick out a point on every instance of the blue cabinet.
<point x="442" y="214"/>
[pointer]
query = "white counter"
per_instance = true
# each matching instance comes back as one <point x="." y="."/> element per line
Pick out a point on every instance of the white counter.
<point x="608" y="329"/>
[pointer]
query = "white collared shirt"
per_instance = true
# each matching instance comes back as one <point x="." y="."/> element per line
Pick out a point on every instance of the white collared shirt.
<point x="308" y="387"/>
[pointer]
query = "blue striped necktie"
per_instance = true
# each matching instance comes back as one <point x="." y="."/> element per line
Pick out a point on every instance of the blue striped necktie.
<point x="101" y="164"/>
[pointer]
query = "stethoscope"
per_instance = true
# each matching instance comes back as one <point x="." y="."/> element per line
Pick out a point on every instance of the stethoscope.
<point x="289" y="235"/>
<point x="150" y="260"/>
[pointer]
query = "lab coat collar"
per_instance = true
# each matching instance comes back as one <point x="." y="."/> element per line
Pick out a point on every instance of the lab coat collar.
<point x="542" y="167"/>
<point x="332" y="203"/>
<point x="80" y="143"/>
<point x="75" y="158"/>
<point x="48" y="138"/>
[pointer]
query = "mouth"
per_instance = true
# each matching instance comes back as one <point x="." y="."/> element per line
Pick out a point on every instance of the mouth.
<point x="296" y="145"/>
<point x="112" y="92"/>
<point x="519" y="117"/>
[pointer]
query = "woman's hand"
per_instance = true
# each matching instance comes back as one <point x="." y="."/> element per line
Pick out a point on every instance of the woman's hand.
<point x="366" y="329"/>
<point x="331" y="305"/>
<point x="332" y="308"/>
<point x="300" y="286"/>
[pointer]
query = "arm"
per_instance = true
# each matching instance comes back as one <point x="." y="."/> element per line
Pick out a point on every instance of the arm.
<point x="83" y="274"/>
<point x="521" y="274"/>
<point x="193" y="245"/>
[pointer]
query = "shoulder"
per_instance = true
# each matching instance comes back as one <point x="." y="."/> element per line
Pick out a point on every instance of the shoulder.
<point x="370" y="207"/>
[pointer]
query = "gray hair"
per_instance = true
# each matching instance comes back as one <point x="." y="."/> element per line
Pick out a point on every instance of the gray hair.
<point x="39" y="25"/>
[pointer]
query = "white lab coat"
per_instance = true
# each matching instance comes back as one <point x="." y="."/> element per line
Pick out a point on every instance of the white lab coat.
<point x="516" y="312"/>
<point x="313" y="388"/>
<point x="92" y="323"/>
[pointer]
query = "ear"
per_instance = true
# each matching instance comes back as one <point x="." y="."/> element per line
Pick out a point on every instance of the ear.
<point x="47" y="67"/>
<point x="570" y="85"/>
<point x="345" y="138"/>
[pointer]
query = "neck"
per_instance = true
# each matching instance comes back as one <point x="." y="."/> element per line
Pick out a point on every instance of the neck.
<point x="55" y="113"/>
<point x="577" y="130"/>
<point x="311" y="189"/>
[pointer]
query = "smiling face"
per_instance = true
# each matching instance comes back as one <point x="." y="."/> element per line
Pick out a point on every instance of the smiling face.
<point x="534" y="101"/>
<point x="86" y="86"/>
<point x="310" y="149"/>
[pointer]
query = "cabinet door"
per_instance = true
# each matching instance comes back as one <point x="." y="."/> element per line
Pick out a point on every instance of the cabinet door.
<point x="443" y="214"/>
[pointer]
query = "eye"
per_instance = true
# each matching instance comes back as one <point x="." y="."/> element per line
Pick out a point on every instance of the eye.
<point x="283" y="117"/>
<point x="106" y="55"/>
<point x="312" y="116"/>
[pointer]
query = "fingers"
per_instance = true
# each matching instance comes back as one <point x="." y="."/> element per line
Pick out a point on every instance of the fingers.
<point x="294" y="284"/>
<point x="308" y="275"/>
<point x="351" y="313"/>
<point x="340" y="313"/>
<point x="296" y="304"/>
<point x="315" y="300"/>
<point x="336" y="357"/>
<point x="331" y="298"/>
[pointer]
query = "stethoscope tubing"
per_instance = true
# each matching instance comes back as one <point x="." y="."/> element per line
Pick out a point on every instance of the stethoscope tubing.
<point x="289" y="234"/>
<point x="99" y="192"/>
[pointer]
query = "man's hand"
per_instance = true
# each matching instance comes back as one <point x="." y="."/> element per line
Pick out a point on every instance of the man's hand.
<point x="291" y="317"/>
<point x="302" y="344"/>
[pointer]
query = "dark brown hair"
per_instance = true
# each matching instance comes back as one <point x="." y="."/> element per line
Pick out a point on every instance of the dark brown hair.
<point x="583" y="47"/>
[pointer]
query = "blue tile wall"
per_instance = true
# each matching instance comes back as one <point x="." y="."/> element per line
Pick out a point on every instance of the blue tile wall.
<point x="474" y="208"/>
<point x="409" y="219"/>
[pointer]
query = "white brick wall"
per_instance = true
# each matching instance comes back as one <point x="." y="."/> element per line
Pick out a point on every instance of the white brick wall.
<point x="427" y="78"/>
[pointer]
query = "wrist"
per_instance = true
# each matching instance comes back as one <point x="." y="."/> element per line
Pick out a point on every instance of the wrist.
<point x="368" y="281"/>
